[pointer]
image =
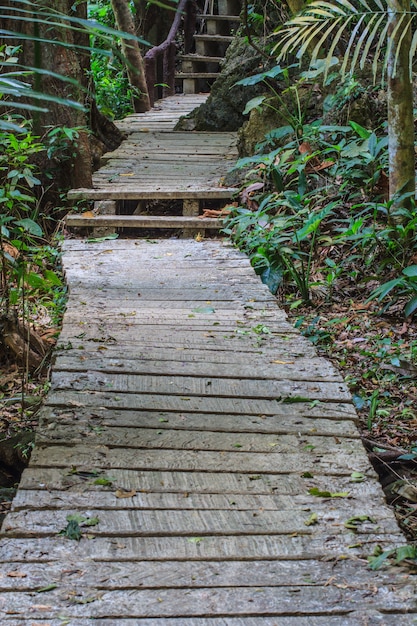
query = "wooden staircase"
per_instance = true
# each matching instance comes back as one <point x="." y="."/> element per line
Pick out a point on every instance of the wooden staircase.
<point x="159" y="178"/>
<point x="217" y="23"/>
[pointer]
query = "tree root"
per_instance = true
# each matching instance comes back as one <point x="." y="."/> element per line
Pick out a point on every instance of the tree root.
<point x="25" y="344"/>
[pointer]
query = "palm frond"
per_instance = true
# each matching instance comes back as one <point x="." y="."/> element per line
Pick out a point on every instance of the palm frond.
<point x="364" y="24"/>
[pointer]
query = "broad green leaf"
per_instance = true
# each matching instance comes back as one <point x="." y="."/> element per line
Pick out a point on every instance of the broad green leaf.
<point x="375" y="562"/>
<point x="410" y="271"/>
<point x="52" y="278"/>
<point x="364" y="133"/>
<point x="279" y="133"/>
<point x="277" y="179"/>
<point x="353" y="522"/>
<point x="405" y="552"/>
<point x="357" y="477"/>
<point x="72" y="530"/>
<point x="408" y="457"/>
<point x="34" y="280"/>
<point x="383" y="290"/>
<point x="91" y="521"/>
<point x="272" y="277"/>
<point x="312" y="520"/>
<point x="315" y="491"/>
<point x="30" y="226"/>
<point x="254" y="103"/>
<point x="258" y="78"/>
<point x="105" y="482"/>
<point x="410" y="307"/>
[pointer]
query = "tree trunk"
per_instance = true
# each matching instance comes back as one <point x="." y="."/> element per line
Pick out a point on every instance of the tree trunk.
<point x="134" y="61"/>
<point x="400" y="107"/>
<point x="74" y="168"/>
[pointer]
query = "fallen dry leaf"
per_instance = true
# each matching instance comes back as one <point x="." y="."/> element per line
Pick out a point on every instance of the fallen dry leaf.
<point x="123" y="493"/>
<point x="305" y="148"/>
<point x="16" y="574"/>
<point x="283" y="362"/>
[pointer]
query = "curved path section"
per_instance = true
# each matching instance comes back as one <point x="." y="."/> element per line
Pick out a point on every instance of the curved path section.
<point x="185" y="459"/>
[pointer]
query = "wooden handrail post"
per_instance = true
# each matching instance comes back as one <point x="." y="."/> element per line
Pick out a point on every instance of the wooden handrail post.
<point x="166" y="48"/>
<point x="190" y="23"/>
<point x="169" y="70"/>
<point x="150" y="73"/>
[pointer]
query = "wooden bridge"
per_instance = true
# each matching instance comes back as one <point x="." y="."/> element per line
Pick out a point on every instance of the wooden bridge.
<point x="196" y="463"/>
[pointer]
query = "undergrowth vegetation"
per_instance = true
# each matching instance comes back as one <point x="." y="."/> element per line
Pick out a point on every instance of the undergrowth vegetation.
<point x="112" y="91"/>
<point x="31" y="287"/>
<point x="314" y="217"/>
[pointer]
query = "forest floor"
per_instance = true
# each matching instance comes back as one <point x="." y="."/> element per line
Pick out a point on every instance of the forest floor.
<point x="375" y="354"/>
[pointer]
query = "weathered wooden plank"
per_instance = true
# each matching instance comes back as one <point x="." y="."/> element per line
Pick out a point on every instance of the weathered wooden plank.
<point x="140" y="191"/>
<point x="171" y="439"/>
<point x="160" y="402"/>
<point x="245" y="324"/>
<point x="131" y="303"/>
<point x="196" y="386"/>
<point x="303" y="369"/>
<point x="193" y="318"/>
<point x="172" y="574"/>
<point x="354" y="618"/>
<point x="329" y="420"/>
<point x="236" y="352"/>
<point x="142" y="549"/>
<point x="229" y="352"/>
<point x="238" y="284"/>
<point x="149" y="147"/>
<point x="224" y="602"/>
<point x="200" y="523"/>
<point x="142" y="221"/>
<point x="240" y="335"/>
<point x="192" y="460"/>
<point x="203" y="271"/>
<point x="79" y="481"/>
<point x="106" y="499"/>
<point x="181" y="139"/>
<point x="155" y="295"/>
<point x="156" y="249"/>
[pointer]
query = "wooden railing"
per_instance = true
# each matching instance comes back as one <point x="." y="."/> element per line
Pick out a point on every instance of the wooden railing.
<point x="186" y="9"/>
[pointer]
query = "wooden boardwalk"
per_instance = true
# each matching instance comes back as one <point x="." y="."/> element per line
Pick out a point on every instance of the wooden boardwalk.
<point x="155" y="163"/>
<point x="186" y="426"/>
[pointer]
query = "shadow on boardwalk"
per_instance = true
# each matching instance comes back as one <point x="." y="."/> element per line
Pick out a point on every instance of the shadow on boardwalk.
<point x="187" y="423"/>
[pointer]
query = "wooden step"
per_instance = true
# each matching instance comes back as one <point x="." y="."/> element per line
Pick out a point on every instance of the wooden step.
<point x="200" y="58"/>
<point x="219" y="24"/>
<point x="139" y="192"/>
<point x="143" y="221"/>
<point x="216" y="38"/>
<point x="215" y="45"/>
<point x="214" y="16"/>
<point x="229" y="7"/>
<point x="195" y="75"/>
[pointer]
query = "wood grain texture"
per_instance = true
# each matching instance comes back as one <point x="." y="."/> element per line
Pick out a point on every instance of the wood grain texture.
<point x="188" y="548"/>
<point x="161" y="603"/>
<point x="354" y="618"/>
